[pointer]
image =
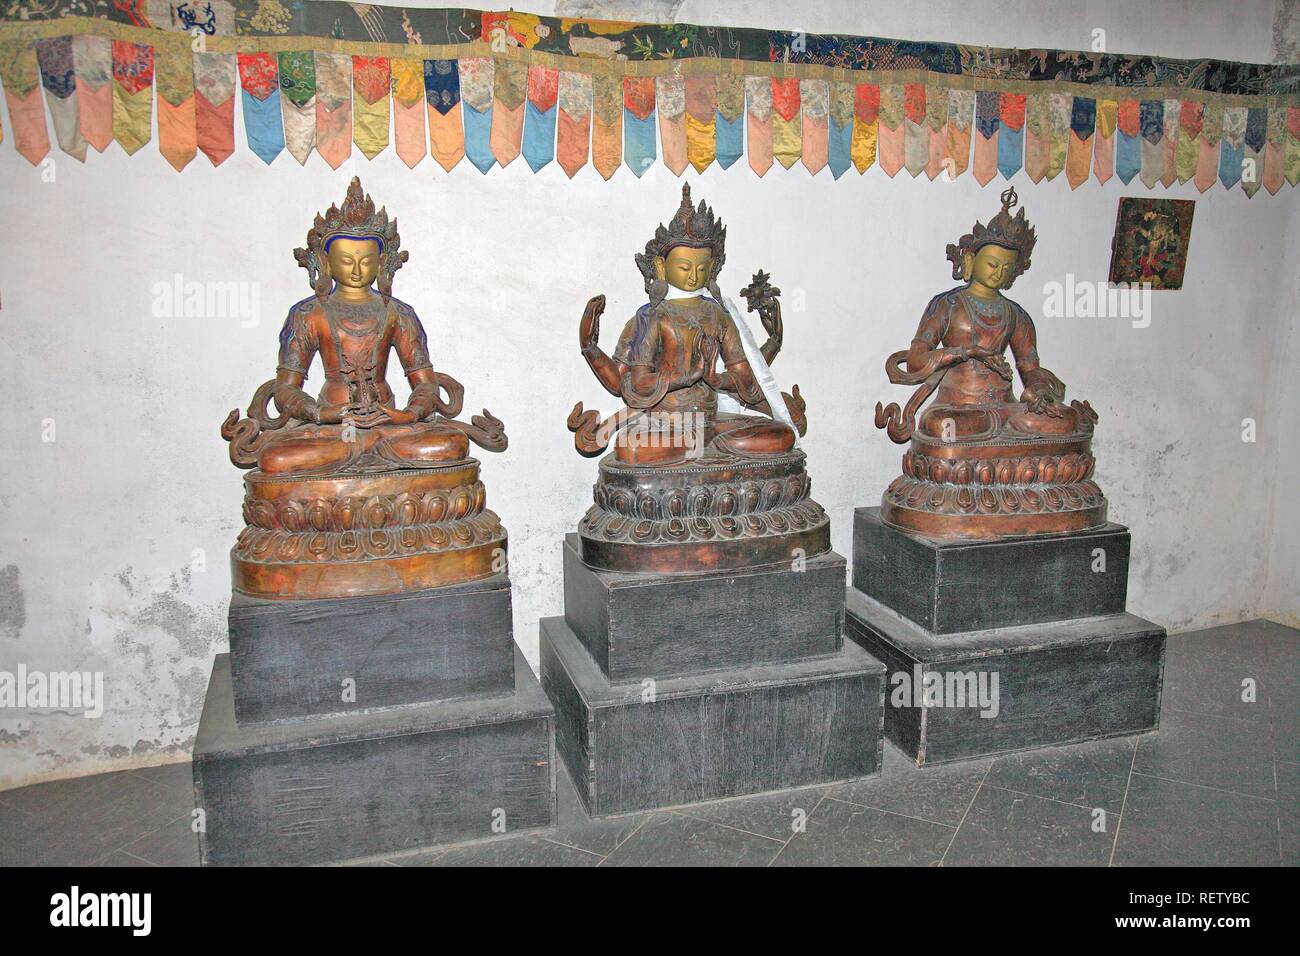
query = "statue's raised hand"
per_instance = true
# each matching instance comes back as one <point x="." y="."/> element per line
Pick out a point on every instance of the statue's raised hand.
<point x="705" y="361"/>
<point x="589" y="327"/>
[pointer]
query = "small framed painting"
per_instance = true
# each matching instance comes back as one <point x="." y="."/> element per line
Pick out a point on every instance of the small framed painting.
<point x="1151" y="239"/>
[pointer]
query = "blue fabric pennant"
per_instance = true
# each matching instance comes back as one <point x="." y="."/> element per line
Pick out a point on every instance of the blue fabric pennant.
<point x="988" y="112"/>
<point x="539" y="135"/>
<point x="1011" y="151"/>
<point x="1151" y="120"/>
<point x="1083" y="116"/>
<point x="1128" y="156"/>
<point x="639" y="142"/>
<point x="1257" y="128"/>
<point x="730" y="139"/>
<point x="478" y="137"/>
<point x="839" y="156"/>
<point x="264" y="124"/>
<point x="1230" y="159"/>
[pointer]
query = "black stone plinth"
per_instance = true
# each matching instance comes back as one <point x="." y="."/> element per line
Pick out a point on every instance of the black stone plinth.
<point x="296" y="659"/>
<point x="347" y="787"/>
<point x="648" y="624"/>
<point x="667" y="742"/>
<point x="952" y="586"/>
<point x="1057" y="683"/>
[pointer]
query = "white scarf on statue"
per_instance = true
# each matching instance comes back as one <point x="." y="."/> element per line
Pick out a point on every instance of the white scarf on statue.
<point x="757" y="364"/>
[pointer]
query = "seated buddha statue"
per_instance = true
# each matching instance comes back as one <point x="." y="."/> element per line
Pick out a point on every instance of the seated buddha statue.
<point x="705" y="471"/>
<point x="348" y="493"/>
<point x="982" y="463"/>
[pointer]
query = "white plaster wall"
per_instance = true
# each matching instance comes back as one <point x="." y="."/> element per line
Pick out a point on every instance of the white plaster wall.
<point x="100" y="529"/>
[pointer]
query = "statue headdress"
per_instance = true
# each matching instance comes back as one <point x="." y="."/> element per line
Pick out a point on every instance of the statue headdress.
<point x="356" y="219"/>
<point x="1005" y="230"/>
<point x="696" y="228"/>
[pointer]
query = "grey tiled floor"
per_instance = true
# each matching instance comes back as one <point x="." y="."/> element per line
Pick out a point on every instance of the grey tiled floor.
<point x="1219" y="784"/>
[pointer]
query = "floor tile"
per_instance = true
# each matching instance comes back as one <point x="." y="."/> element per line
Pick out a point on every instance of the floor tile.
<point x="1212" y="751"/>
<point x="124" y="859"/>
<point x="1013" y="829"/>
<point x="1244" y="642"/>
<point x="1213" y="682"/>
<point x="574" y="828"/>
<point x="510" y="851"/>
<point x="1094" y="774"/>
<point x="770" y="814"/>
<point x="173" y="844"/>
<point x="1176" y="824"/>
<point x="673" y="839"/>
<point x="939" y="793"/>
<point x="846" y="834"/>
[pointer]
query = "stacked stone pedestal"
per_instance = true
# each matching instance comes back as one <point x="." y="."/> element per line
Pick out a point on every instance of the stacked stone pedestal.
<point x="1002" y="645"/>
<point x="672" y="689"/>
<point x="341" y="729"/>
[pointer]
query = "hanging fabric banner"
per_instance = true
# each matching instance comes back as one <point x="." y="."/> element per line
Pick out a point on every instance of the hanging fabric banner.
<point x="988" y="132"/>
<point x="701" y="120"/>
<point x="1083" y="123"/>
<point x="840" y="131"/>
<point x="513" y="86"/>
<point x="1128" y="152"/>
<point x="1169" y="144"/>
<point x="891" y="144"/>
<point x="334" y="107"/>
<point x="297" y="71"/>
<point x="683" y="94"/>
<point x="606" y="123"/>
<point x="787" y="123"/>
<point x="178" y="136"/>
<point x="132" y="94"/>
<point x="1038" y="136"/>
<point x="758" y="125"/>
<point x="730" y="117"/>
<point x="21" y="76"/>
<point x="961" y="116"/>
<point x="92" y="59"/>
<point x="539" y="117"/>
<point x="1232" y="145"/>
<point x="259" y="90"/>
<point x="1103" y="151"/>
<point x="408" y="110"/>
<point x="54" y="55"/>
<point x="477" y="81"/>
<point x="815" y="105"/>
<point x="866" y="126"/>
<point x="1207" y="160"/>
<point x="916" y="135"/>
<point x="1011" y="134"/>
<point x="1188" y="149"/>
<point x="670" y="102"/>
<point x="1151" y="123"/>
<point x="372" y="82"/>
<point x="214" y="105"/>
<point x="573" y="124"/>
<point x="639" y="123"/>
<point x="444" y="109"/>
<point x="1292" y="161"/>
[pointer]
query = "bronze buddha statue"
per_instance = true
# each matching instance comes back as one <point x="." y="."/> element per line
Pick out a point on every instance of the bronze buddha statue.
<point x="705" y="472"/>
<point x="983" y="464"/>
<point x="348" y="494"/>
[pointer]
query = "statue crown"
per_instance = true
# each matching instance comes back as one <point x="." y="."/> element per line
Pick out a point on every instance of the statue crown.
<point x="696" y="227"/>
<point x="1009" y="232"/>
<point x="357" y="218"/>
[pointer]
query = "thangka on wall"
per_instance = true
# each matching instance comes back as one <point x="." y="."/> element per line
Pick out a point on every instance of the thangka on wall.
<point x="1151" y="239"/>
<point x="490" y="87"/>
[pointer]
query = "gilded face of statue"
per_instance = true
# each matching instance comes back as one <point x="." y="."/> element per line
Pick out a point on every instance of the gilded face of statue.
<point x="991" y="266"/>
<point x="353" y="263"/>
<point x="685" y="268"/>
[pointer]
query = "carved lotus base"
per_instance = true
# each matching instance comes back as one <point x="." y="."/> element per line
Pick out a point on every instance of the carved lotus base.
<point x="709" y="514"/>
<point x="379" y="533"/>
<point x="981" y="490"/>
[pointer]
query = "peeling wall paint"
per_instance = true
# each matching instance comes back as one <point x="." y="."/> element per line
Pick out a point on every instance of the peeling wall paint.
<point x="114" y="535"/>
